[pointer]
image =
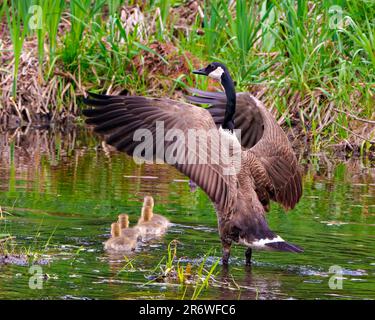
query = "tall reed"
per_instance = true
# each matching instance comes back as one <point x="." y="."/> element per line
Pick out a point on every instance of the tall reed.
<point x="17" y="23"/>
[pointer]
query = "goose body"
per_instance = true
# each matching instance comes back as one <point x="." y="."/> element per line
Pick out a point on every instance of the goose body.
<point x="263" y="166"/>
<point x="121" y="244"/>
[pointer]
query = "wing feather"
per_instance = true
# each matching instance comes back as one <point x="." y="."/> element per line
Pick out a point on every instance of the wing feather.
<point x="118" y="118"/>
<point x="265" y="140"/>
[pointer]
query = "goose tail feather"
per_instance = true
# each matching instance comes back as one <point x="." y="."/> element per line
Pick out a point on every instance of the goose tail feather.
<point x="284" y="246"/>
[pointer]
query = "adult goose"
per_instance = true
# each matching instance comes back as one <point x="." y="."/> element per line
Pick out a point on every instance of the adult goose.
<point x="240" y="190"/>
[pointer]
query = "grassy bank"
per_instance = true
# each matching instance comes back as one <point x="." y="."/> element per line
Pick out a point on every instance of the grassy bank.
<point x="312" y="63"/>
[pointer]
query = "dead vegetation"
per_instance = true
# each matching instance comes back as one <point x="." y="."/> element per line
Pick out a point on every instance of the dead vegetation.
<point x="165" y="67"/>
<point x="37" y="101"/>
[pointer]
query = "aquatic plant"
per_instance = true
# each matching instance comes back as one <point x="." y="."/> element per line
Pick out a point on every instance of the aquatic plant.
<point x="190" y="275"/>
<point x="13" y="252"/>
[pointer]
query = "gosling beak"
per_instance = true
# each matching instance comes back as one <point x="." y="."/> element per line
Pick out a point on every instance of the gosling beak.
<point x="200" y="71"/>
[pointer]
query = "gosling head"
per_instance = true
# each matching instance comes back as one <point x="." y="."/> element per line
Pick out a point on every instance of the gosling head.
<point x="123" y="220"/>
<point x="115" y="230"/>
<point x="148" y="201"/>
<point x="215" y="70"/>
<point x="147" y="213"/>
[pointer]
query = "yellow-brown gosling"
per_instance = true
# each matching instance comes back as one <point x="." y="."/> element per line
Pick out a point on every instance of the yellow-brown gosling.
<point x="115" y="233"/>
<point x="151" y="225"/>
<point x="122" y="240"/>
<point x="123" y="220"/>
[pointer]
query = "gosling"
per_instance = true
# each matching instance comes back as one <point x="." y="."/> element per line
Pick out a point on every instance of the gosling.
<point x="151" y="225"/>
<point x="122" y="240"/>
<point x="123" y="221"/>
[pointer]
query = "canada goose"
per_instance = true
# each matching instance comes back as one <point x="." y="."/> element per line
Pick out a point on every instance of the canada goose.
<point x="122" y="240"/>
<point x="268" y="166"/>
<point x="150" y="224"/>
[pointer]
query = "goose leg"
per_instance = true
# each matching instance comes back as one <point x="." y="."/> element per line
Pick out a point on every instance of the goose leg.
<point x="248" y="254"/>
<point x="226" y="252"/>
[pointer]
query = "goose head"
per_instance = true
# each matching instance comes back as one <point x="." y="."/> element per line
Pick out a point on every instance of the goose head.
<point x="148" y="201"/>
<point x="219" y="71"/>
<point x="123" y="220"/>
<point x="215" y="70"/>
<point x="115" y="230"/>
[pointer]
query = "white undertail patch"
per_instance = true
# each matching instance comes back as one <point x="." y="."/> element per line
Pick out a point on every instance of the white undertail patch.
<point x="261" y="243"/>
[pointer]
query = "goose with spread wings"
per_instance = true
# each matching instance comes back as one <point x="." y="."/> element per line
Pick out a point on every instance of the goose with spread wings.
<point x="240" y="190"/>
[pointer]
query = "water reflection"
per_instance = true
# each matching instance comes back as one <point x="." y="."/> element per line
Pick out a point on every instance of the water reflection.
<point x="68" y="186"/>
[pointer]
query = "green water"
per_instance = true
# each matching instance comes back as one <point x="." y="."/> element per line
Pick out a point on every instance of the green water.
<point x="59" y="192"/>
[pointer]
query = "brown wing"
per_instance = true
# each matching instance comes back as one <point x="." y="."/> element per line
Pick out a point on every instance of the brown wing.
<point x="119" y="118"/>
<point x="265" y="139"/>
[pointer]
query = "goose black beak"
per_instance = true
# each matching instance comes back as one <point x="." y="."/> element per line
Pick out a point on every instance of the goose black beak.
<point x="200" y="71"/>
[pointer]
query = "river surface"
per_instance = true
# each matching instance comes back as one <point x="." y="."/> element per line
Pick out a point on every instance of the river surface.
<point x="60" y="191"/>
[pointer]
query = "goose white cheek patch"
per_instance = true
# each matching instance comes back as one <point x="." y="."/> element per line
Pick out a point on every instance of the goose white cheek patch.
<point x="216" y="74"/>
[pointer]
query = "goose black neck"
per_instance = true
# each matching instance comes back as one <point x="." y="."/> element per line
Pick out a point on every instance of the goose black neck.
<point x="230" y="110"/>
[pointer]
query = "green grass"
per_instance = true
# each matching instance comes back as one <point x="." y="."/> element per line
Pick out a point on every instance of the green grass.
<point x="17" y="24"/>
<point x="305" y="63"/>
